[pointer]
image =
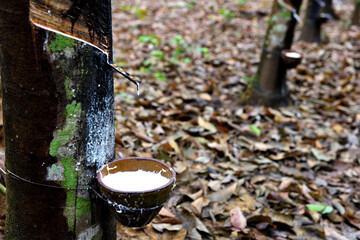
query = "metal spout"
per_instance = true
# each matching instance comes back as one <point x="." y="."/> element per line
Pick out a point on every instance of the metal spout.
<point x="127" y="76"/>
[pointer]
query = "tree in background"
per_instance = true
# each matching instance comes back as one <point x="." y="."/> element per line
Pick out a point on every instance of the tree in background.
<point x="328" y="10"/>
<point x="317" y="13"/>
<point x="311" y="31"/>
<point x="268" y="86"/>
<point x="58" y="118"/>
<point x="356" y="14"/>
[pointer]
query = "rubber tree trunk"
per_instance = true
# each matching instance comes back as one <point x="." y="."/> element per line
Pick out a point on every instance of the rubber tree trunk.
<point x="356" y="14"/>
<point x="59" y="128"/>
<point x="268" y="86"/>
<point x="328" y="10"/>
<point x="311" y="31"/>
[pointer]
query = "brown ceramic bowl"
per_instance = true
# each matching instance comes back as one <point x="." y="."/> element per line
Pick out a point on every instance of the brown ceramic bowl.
<point x="291" y="58"/>
<point x="136" y="209"/>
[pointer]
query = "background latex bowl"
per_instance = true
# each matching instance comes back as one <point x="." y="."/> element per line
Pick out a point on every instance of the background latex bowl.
<point x="291" y="58"/>
<point x="136" y="209"/>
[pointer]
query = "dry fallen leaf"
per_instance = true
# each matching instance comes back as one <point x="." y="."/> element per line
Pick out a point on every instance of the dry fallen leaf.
<point x="263" y="160"/>
<point x="161" y="227"/>
<point x="166" y="213"/>
<point x="337" y="128"/>
<point x="224" y="194"/>
<point x="207" y="125"/>
<point x="237" y="218"/>
<point x="174" y="145"/>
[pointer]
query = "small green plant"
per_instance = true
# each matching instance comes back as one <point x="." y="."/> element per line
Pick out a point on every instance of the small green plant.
<point x="203" y="50"/>
<point x="178" y="51"/>
<point x="150" y="38"/>
<point x="160" y="76"/>
<point x="191" y="4"/>
<point x="255" y="130"/>
<point x="180" y="48"/>
<point x="346" y="23"/>
<point x="241" y="2"/>
<point x="140" y="12"/>
<point x="227" y="14"/>
<point x="126" y="8"/>
<point x="152" y="64"/>
<point x="157" y="55"/>
<point x="246" y="79"/>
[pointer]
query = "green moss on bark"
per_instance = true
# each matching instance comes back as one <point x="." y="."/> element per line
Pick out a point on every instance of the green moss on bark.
<point x="62" y="135"/>
<point x="61" y="147"/>
<point x="61" y="42"/>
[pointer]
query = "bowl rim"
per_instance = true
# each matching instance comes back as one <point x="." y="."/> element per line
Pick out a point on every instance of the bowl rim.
<point x="171" y="180"/>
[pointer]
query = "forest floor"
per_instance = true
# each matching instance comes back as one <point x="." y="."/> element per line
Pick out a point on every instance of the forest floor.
<point x="243" y="172"/>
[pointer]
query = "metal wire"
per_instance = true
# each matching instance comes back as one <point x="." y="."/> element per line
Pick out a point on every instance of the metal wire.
<point x="17" y="177"/>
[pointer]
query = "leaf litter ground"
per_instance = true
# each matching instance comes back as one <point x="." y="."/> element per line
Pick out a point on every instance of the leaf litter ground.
<point x="243" y="172"/>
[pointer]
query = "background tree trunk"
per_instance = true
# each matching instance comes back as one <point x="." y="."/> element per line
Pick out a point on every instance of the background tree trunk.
<point x="59" y="128"/>
<point x="356" y="14"/>
<point x="311" y="31"/>
<point x="268" y="85"/>
<point x="328" y="10"/>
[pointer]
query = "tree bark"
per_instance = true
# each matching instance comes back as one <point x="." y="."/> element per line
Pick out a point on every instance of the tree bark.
<point x="311" y="31"/>
<point x="59" y="129"/>
<point x="356" y="14"/>
<point x="268" y="86"/>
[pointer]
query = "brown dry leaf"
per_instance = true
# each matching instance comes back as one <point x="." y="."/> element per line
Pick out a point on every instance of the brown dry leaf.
<point x="200" y="203"/>
<point x="118" y="138"/>
<point x="318" y="144"/>
<point x="237" y="218"/>
<point x="194" y="234"/>
<point x="262" y="146"/>
<point x="247" y="202"/>
<point x="205" y="96"/>
<point x="278" y="156"/>
<point x="145" y="155"/>
<point x="332" y="234"/>
<point x="320" y="155"/>
<point x="180" y="235"/>
<point x="180" y="167"/>
<point x="161" y="227"/>
<point x="258" y="235"/>
<point x="174" y="145"/>
<point x="200" y="226"/>
<point x="132" y="233"/>
<point x="195" y="195"/>
<point x="353" y="220"/>
<point x="166" y="213"/>
<point x="144" y="137"/>
<point x="315" y="216"/>
<point x="224" y="194"/>
<point x="215" y="185"/>
<point x="337" y="128"/>
<point x="207" y="125"/>
<point x="285" y="183"/>
<point x="258" y="178"/>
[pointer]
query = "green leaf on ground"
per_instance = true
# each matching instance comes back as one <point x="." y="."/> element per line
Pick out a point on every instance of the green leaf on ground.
<point x="319" y="208"/>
